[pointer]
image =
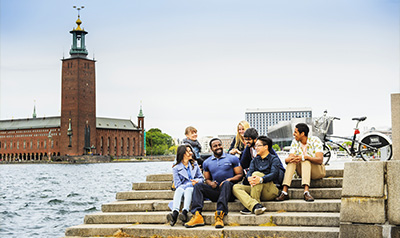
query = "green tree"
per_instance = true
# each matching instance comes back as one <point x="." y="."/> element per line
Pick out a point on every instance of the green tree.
<point x="276" y="147"/>
<point x="345" y="144"/>
<point x="158" y="143"/>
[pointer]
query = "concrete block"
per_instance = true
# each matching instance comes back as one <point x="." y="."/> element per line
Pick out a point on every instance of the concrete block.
<point x="363" y="210"/>
<point x="363" y="179"/>
<point x="393" y="184"/>
<point x="360" y="231"/>
<point x="395" y="232"/>
<point x="395" y="102"/>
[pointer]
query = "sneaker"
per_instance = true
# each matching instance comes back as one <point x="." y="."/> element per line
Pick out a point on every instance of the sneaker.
<point x="282" y="197"/>
<point x="197" y="220"/>
<point x="184" y="216"/>
<point x="259" y="209"/>
<point x="219" y="219"/>
<point x="172" y="217"/>
<point x="245" y="211"/>
<point x="308" y="197"/>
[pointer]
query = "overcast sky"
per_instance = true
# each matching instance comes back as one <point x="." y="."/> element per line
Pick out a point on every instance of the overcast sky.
<point x="202" y="63"/>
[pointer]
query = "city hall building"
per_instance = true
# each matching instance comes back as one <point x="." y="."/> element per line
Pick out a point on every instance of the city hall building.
<point x="77" y="131"/>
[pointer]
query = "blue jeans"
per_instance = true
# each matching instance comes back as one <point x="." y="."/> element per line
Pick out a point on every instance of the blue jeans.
<point x="222" y="195"/>
<point x="179" y="193"/>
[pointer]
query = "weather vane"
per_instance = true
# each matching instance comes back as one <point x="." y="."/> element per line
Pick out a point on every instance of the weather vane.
<point x="79" y="10"/>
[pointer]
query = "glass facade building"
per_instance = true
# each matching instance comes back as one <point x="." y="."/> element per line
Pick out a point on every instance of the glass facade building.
<point x="262" y="119"/>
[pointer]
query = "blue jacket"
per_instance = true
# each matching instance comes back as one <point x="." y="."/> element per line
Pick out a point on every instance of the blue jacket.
<point x="181" y="177"/>
<point x="271" y="166"/>
<point x="245" y="158"/>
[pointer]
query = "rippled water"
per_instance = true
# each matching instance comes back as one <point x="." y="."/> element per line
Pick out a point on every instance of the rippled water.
<point x="42" y="200"/>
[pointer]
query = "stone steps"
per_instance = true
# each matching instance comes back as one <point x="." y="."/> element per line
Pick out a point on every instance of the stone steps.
<point x="337" y="173"/>
<point x="144" y="230"/>
<point x="326" y="219"/>
<point x="295" y="193"/>
<point x="292" y="205"/>
<point x="142" y="213"/>
<point x="296" y="183"/>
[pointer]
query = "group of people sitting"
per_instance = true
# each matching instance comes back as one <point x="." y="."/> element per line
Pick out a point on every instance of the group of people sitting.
<point x="251" y="171"/>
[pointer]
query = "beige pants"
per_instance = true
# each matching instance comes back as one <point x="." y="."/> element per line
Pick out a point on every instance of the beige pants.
<point x="306" y="170"/>
<point x="250" y="196"/>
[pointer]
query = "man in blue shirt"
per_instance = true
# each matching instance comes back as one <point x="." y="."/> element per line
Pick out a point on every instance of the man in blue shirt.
<point x="221" y="172"/>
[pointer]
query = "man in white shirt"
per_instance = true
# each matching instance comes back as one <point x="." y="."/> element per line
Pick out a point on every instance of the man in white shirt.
<point x="306" y="157"/>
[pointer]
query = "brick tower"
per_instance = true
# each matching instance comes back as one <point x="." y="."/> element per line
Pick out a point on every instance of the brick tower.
<point x="78" y="98"/>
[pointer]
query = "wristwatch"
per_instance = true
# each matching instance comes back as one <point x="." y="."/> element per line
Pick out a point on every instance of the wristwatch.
<point x="261" y="180"/>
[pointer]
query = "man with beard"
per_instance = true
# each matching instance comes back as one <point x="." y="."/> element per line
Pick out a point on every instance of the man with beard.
<point x="306" y="158"/>
<point x="250" y="137"/>
<point x="221" y="172"/>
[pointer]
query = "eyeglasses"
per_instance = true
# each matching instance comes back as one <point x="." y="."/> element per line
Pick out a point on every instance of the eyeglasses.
<point x="259" y="146"/>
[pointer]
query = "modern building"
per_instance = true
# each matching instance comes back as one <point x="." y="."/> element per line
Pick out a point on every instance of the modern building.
<point x="263" y="119"/>
<point x="77" y="131"/>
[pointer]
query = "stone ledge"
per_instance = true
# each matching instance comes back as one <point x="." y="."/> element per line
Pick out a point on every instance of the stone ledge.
<point x="363" y="210"/>
<point x="363" y="179"/>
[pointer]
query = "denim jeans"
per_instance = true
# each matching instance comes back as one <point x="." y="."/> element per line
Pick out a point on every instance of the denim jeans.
<point x="222" y="195"/>
<point x="179" y="193"/>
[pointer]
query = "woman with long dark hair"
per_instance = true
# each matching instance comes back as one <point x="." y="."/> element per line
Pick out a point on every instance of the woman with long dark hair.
<point x="186" y="174"/>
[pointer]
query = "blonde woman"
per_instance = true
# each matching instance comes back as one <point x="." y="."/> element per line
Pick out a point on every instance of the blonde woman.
<point x="238" y="145"/>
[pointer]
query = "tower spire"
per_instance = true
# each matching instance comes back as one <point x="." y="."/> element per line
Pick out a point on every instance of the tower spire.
<point x="141" y="111"/>
<point x="78" y="38"/>
<point x="34" y="110"/>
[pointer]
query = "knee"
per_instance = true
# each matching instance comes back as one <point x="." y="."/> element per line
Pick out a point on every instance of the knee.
<point x="258" y="173"/>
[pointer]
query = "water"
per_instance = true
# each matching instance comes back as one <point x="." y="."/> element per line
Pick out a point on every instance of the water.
<point x="42" y="200"/>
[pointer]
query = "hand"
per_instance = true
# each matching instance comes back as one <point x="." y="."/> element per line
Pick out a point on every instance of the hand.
<point x="213" y="184"/>
<point x="295" y="159"/>
<point x="233" y="151"/>
<point x="193" y="181"/>
<point x="254" y="180"/>
<point x="223" y="182"/>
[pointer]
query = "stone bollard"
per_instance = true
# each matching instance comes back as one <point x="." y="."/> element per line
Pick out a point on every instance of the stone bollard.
<point x="370" y="198"/>
<point x="395" y="101"/>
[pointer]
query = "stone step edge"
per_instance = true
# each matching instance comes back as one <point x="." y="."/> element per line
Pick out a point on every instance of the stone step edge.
<point x="335" y="173"/>
<point x="292" y="205"/>
<point x="227" y="231"/>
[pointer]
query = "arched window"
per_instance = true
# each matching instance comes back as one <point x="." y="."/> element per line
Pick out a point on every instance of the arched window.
<point x="122" y="146"/>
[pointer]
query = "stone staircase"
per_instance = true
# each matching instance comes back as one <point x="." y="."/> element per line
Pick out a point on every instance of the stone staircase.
<point x="142" y="213"/>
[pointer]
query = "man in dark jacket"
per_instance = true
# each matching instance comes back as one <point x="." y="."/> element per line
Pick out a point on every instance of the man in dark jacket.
<point x="265" y="171"/>
<point x="250" y="137"/>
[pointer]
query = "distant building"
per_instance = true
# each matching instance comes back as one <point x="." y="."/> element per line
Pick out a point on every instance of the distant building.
<point x="77" y="131"/>
<point x="263" y="119"/>
<point x="226" y="141"/>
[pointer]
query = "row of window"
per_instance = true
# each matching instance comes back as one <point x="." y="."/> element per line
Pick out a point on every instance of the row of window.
<point x="39" y="144"/>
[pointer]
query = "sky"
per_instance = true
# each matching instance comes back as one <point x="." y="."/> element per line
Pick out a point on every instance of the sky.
<point x="203" y="63"/>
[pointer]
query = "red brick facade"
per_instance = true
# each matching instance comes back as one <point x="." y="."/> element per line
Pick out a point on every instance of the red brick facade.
<point x="29" y="144"/>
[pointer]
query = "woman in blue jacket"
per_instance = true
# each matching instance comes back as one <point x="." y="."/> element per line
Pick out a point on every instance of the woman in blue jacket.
<point x="186" y="174"/>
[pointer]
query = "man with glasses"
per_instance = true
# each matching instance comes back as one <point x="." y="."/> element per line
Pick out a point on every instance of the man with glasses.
<point x="221" y="172"/>
<point x="265" y="174"/>
<point x="250" y="137"/>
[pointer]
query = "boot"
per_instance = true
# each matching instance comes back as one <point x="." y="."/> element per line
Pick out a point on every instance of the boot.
<point x="219" y="219"/>
<point x="197" y="220"/>
<point x="172" y="217"/>
<point x="183" y="216"/>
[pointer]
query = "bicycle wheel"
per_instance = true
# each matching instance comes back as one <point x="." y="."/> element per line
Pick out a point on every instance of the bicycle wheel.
<point x="327" y="154"/>
<point x="378" y="148"/>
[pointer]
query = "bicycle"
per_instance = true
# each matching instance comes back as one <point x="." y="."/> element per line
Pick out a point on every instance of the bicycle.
<point x="373" y="145"/>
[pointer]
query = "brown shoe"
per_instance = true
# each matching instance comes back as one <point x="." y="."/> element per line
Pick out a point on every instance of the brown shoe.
<point x="219" y="219"/>
<point x="282" y="197"/>
<point x="308" y="197"/>
<point x="197" y="220"/>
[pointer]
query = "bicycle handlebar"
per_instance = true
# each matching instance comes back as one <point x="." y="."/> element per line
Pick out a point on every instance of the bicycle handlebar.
<point x="336" y="118"/>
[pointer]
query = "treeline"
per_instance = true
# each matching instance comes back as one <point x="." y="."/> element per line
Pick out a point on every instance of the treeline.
<point x="159" y="143"/>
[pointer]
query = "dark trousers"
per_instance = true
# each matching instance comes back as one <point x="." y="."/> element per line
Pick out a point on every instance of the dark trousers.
<point x="222" y="195"/>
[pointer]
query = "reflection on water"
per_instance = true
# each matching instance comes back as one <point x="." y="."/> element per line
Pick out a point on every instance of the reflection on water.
<point x="42" y="200"/>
